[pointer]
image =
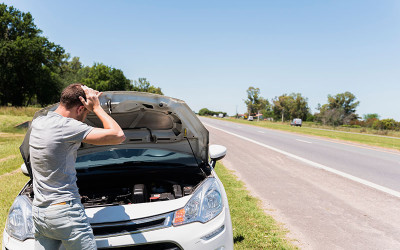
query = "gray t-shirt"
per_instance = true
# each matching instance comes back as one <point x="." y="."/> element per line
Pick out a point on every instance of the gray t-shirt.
<point x="53" y="146"/>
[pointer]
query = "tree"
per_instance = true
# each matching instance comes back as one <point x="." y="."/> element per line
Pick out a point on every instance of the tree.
<point x="345" y="101"/>
<point x="72" y="71"/>
<point x="105" y="78"/>
<point x="255" y="103"/>
<point x="288" y="107"/>
<point x="281" y="107"/>
<point x="339" y="110"/>
<point x="370" y="116"/>
<point x="29" y="63"/>
<point x="142" y="85"/>
<point x="205" y="111"/>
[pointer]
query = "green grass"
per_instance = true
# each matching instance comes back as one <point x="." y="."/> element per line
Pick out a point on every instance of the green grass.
<point x="252" y="228"/>
<point x="12" y="116"/>
<point x="18" y="111"/>
<point x="10" y="157"/>
<point x="309" y="129"/>
<point x="9" y="145"/>
<point x="8" y="123"/>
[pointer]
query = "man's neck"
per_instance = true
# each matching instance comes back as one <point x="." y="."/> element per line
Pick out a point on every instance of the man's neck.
<point x="61" y="110"/>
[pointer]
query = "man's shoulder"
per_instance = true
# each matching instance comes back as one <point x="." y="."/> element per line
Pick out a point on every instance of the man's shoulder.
<point x="49" y="118"/>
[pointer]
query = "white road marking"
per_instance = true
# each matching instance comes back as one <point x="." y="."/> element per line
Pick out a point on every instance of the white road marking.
<point x="262" y="132"/>
<point x="316" y="165"/>
<point x="303" y="141"/>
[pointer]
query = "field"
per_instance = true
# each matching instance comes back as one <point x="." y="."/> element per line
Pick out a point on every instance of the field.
<point x="11" y="178"/>
<point x="252" y="228"/>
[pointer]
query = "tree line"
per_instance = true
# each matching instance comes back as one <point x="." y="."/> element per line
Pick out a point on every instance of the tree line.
<point x="340" y="110"/>
<point x="34" y="70"/>
<point x="205" y="112"/>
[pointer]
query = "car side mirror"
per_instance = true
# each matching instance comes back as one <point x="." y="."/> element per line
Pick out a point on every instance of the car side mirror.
<point x="217" y="152"/>
<point x="24" y="169"/>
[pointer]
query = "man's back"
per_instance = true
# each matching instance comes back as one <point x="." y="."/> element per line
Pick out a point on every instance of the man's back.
<point x="53" y="145"/>
<point x="58" y="214"/>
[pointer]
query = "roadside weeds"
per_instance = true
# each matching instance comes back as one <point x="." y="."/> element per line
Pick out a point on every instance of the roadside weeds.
<point x="252" y="227"/>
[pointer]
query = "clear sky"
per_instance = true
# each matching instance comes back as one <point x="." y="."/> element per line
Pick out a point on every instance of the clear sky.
<point x="208" y="53"/>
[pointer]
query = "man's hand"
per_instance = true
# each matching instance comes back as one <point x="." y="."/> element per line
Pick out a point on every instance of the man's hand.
<point x="111" y="133"/>
<point x="92" y="98"/>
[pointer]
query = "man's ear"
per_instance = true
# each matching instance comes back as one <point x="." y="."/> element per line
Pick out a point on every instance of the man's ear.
<point x="80" y="109"/>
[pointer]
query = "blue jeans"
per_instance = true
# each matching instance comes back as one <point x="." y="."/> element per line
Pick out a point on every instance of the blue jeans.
<point x="62" y="224"/>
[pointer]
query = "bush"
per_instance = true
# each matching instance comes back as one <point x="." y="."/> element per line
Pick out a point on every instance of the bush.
<point x="310" y="117"/>
<point x="386" y="124"/>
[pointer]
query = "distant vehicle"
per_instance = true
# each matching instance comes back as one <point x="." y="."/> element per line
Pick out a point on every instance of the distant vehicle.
<point x="296" y="122"/>
<point x="250" y="118"/>
<point x="221" y="115"/>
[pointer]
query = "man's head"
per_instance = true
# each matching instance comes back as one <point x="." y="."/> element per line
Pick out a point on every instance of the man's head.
<point x="70" y="96"/>
<point x="71" y="102"/>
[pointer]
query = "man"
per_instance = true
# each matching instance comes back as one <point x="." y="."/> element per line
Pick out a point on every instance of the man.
<point x="58" y="214"/>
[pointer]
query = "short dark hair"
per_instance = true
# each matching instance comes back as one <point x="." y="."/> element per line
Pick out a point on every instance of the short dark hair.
<point x="70" y="95"/>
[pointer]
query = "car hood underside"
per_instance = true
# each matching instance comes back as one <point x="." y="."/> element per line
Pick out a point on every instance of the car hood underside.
<point x="148" y="121"/>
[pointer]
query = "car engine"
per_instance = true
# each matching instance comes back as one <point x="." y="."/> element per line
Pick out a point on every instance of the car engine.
<point x="139" y="193"/>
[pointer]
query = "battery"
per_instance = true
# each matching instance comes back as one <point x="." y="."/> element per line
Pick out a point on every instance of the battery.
<point x="139" y="193"/>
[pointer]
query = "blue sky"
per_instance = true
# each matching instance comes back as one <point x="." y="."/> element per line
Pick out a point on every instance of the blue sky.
<point x="208" y="53"/>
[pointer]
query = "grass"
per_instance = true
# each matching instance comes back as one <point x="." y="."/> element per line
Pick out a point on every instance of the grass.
<point x="13" y="116"/>
<point x="10" y="157"/>
<point x="252" y="228"/>
<point x="18" y="111"/>
<point x="8" y="123"/>
<point x="11" y="181"/>
<point x="310" y="129"/>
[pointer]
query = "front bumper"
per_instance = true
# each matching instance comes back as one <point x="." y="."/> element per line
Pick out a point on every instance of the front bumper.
<point x="215" y="234"/>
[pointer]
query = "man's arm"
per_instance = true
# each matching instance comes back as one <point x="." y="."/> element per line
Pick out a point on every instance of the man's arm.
<point x="112" y="132"/>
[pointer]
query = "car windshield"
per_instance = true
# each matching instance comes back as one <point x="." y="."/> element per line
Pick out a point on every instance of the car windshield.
<point x="144" y="156"/>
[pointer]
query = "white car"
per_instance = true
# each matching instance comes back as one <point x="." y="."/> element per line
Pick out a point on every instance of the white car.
<point x="157" y="190"/>
<point x="296" y="122"/>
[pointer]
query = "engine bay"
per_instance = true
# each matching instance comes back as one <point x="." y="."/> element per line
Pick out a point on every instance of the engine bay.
<point x="138" y="193"/>
<point x="121" y="186"/>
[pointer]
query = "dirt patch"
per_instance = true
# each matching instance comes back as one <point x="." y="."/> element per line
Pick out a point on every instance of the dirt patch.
<point x="7" y="158"/>
<point x="11" y="135"/>
<point x="10" y="173"/>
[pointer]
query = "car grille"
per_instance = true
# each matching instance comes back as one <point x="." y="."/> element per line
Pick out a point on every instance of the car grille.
<point x="101" y="230"/>
<point x="152" y="246"/>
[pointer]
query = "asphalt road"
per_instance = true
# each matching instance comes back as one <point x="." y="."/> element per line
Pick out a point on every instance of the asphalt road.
<point x="329" y="194"/>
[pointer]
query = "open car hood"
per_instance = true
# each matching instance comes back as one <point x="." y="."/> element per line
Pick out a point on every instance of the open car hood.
<point x="148" y="120"/>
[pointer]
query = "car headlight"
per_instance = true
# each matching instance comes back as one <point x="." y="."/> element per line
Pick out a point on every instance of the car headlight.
<point x="19" y="221"/>
<point x="205" y="204"/>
